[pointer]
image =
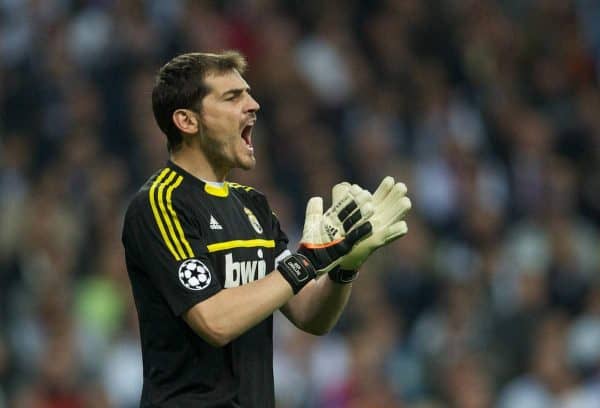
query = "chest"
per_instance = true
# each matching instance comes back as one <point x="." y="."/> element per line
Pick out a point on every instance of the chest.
<point x="231" y="219"/>
<point x="238" y="239"/>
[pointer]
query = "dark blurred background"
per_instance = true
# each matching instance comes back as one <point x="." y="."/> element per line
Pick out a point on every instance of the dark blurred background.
<point x="488" y="110"/>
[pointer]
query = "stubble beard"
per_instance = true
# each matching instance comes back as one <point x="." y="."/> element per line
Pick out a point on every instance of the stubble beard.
<point x="215" y="151"/>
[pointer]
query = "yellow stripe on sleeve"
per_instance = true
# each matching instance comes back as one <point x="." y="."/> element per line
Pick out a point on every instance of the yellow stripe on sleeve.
<point x="190" y="252"/>
<point x="157" y="218"/>
<point x="241" y="243"/>
<point x="163" y="209"/>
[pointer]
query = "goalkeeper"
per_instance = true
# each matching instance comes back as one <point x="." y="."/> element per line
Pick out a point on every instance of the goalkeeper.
<point x="207" y="259"/>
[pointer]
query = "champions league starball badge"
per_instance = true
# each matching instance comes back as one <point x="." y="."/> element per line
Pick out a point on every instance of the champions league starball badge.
<point x="194" y="275"/>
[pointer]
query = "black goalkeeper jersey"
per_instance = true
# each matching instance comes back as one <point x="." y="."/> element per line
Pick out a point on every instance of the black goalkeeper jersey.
<point x="185" y="240"/>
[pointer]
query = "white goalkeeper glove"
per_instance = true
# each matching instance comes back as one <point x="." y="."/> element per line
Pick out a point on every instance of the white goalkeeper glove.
<point x="391" y="205"/>
<point x="327" y="237"/>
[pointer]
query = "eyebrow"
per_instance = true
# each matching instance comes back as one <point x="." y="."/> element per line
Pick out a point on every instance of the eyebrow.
<point x="235" y="92"/>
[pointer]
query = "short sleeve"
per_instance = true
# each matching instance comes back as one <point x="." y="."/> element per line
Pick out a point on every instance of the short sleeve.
<point x="159" y="236"/>
<point x="281" y="240"/>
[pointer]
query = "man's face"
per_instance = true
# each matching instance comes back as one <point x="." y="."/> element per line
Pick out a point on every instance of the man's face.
<point x="228" y="115"/>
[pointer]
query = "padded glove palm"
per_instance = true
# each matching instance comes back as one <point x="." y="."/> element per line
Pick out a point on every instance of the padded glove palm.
<point x="327" y="237"/>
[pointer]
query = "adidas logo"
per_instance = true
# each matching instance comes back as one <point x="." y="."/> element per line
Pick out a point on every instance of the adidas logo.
<point x="331" y="231"/>
<point x="214" y="224"/>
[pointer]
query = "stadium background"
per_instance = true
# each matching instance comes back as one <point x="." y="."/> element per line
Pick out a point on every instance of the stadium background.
<point x="488" y="110"/>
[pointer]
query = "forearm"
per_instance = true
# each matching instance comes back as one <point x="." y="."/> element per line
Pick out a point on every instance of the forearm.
<point x="318" y="307"/>
<point x="233" y="311"/>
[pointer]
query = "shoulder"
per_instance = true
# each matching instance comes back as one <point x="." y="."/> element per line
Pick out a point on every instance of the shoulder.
<point x="243" y="190"/>
<point x="248" y="193"/>
<point x="161" y="191"/>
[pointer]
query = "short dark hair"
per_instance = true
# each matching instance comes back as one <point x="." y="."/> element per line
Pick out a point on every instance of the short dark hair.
<point x="180" y="85"/>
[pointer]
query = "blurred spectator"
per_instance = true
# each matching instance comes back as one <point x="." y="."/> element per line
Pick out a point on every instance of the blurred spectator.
<point x="549" y="380"/>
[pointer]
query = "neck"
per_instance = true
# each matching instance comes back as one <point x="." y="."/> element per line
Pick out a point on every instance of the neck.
<point x="195" y="162"/>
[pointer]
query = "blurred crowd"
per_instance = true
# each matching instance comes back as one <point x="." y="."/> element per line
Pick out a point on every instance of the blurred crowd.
<point x="489" y="111"/>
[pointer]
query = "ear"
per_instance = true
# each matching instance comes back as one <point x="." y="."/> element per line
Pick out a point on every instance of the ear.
<point x="186" y="121"/>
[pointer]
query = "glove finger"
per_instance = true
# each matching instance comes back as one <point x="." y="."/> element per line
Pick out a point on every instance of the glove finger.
<point x="314" y="207"/>
<point x="401" y="208"/>
<point x="363" y="196"/>
<point x="396" y="213"/>
<point x="383" y="190"/>
<point x="397" y="191"/>
<point x="395" y="205"/>
<point x="339" y="191"/>
<point x="360" y="215"/>
<point x="360" y="200"/>
<point x="342" y="203"/>
<point x="367" y="210"/>
<point x="402" y="189"/>
<point x="395" y="231"/>
<point x="355" y="189"/>
<point x="347" y="210"/>
<point x="314" y="212"/>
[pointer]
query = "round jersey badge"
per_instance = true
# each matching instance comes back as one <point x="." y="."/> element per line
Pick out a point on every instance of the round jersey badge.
<point x="253" y="220"/>
<point x="194" y="275"/>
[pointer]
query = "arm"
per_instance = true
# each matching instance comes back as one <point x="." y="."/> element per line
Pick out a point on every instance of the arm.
<point x="229" y="313"/>
<point x="318" y="307"/>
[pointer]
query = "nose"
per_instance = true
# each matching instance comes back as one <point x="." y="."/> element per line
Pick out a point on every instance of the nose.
<point x="252" y="106"/>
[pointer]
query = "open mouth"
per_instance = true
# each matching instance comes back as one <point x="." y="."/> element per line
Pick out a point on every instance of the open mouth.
<point x="247" y="135"/>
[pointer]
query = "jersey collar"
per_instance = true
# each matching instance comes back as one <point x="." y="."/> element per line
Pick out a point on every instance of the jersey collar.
<point x="217" y="191"/>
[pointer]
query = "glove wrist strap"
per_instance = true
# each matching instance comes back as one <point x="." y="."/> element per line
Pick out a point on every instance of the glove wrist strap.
<point x="343" y="276"/>
<point x="297" y="270"/>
